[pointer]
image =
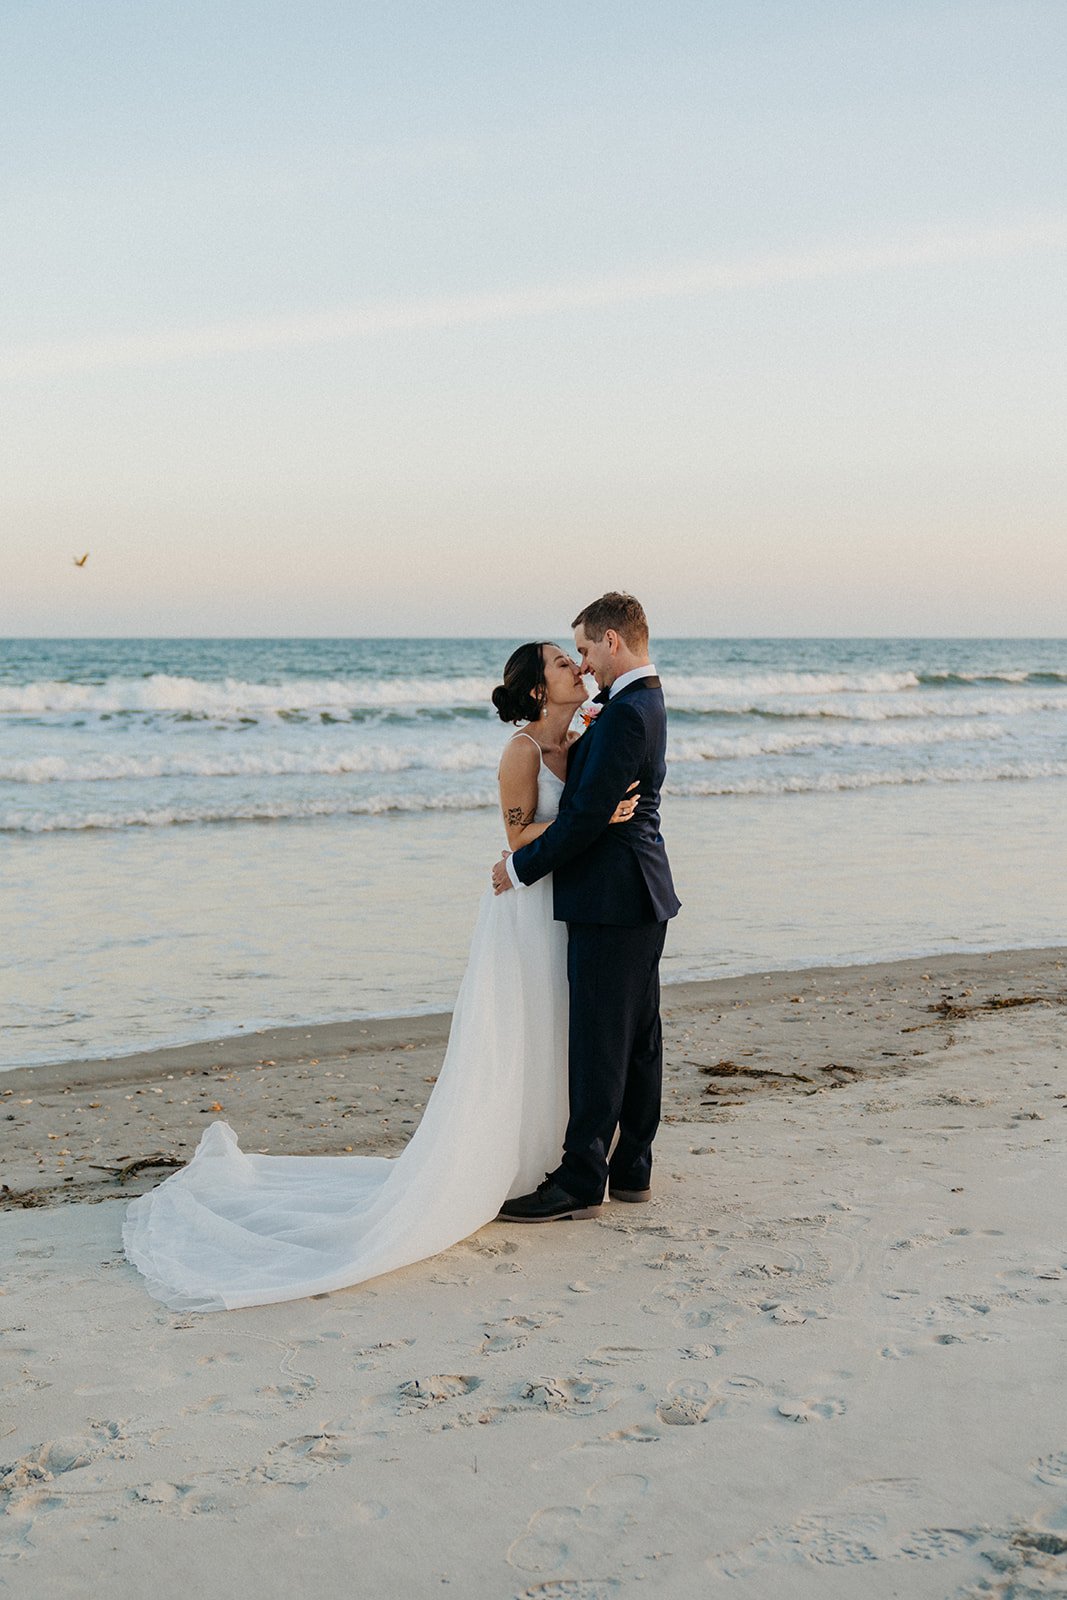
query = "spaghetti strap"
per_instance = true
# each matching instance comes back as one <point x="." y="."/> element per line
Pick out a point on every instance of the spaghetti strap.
<point x="533" y="741"/>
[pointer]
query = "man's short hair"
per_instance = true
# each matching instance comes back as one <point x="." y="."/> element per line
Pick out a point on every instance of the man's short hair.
<point x="620" y="612"/>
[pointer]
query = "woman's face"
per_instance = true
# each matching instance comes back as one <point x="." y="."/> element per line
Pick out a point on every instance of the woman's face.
<point x="564" y="685"/>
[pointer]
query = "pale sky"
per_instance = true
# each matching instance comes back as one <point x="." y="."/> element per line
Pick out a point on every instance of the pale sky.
<point x="342" y="318"/>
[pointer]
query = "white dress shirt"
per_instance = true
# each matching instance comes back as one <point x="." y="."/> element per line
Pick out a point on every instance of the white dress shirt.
<point x="647" y="671"/>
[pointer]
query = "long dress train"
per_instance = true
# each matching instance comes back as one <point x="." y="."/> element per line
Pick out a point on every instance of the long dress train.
<point x="234" y="1229"/>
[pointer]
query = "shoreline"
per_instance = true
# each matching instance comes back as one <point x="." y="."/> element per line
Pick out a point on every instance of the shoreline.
<point x="775" y="883"/>
<point x="387" y="1024"/>
<point x="360" y="1085"/>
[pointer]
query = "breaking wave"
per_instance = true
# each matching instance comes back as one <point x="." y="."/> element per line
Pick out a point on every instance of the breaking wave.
<point x="212" y="811"/>
<point x="467" y="756"/>
<point x="856" y="696"/>
<point x="231" y="697"/>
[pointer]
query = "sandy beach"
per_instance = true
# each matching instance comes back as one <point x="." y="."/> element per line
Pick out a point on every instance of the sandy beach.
<point x="826" y="1360"/>
<point x="386" y="387"/>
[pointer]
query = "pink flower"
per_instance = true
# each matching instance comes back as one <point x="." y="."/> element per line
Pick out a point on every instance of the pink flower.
<point x="589" y="714"/>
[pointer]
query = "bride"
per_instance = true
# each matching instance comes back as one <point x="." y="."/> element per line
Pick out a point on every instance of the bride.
<point x="233" y="1229"/>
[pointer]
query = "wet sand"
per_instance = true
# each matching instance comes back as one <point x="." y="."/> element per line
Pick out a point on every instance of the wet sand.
<point x="361" y="1085"/>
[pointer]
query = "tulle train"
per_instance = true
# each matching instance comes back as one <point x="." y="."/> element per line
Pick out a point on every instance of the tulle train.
<point x="235" y="1229"/>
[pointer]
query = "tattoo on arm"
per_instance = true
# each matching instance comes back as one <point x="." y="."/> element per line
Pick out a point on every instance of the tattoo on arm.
<point x="516" y="817"/>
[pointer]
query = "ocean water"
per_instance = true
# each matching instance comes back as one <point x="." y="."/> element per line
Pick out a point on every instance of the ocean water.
<point x="202" y="835"/>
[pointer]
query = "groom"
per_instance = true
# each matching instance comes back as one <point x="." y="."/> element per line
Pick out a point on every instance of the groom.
<point x="613" y="888"/>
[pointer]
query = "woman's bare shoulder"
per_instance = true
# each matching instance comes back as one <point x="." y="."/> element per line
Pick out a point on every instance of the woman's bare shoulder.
<point x="521" y="753"/>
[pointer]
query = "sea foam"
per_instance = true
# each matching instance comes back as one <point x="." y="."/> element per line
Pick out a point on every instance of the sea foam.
<point x="216" y="810"/>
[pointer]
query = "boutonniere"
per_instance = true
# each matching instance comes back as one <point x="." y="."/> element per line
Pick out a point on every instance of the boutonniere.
<point x="588" y="714"/>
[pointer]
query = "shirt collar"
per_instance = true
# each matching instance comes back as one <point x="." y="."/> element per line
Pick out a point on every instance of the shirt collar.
<point x="632" y="676"/>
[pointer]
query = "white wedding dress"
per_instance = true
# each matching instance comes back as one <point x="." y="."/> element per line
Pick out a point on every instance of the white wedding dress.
<point x="233" y="1229"/>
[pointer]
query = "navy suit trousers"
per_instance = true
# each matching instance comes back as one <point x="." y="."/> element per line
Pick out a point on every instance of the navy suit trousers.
<point x="616" y="1057"/>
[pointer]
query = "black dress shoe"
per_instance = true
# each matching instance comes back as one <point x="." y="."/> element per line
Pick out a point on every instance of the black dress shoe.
<point x="548" y="1203"/>
<point x="634" y="1197"/>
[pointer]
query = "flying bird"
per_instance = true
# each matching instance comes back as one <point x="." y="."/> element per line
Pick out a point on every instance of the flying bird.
<point x="83" y="560"/>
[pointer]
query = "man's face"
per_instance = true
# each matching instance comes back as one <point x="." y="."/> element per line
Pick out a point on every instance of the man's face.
<point x="596" y="657"/>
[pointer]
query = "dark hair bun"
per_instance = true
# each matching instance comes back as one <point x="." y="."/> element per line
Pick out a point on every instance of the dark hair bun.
<point x="522" y="694"/>
<point x="504" y="701"/>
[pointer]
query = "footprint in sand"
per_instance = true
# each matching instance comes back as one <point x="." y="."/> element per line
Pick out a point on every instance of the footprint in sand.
<point x="838" y="1539"/>
<point x="835" y="1540"/>
<point x="686" y="1404"/>
<point x="504" y="1338"/>
<point x="286" y="1394"/>
<point x="637" y="1433"/>
<point x="688" y="1319"/>
<point x="15" y="1536"/>
<point x="368" y="1359"/>
<point x="610" y="1355"/>
<point x="46" y="1463"/>
<point x="110" y="1430"/>
<point x="572" y="1589"/>
<point x="889" y="1489"/>
<point x="866" y="1528"/>
<point x="567" y="1396"/>
<point x="492" y="1247"/>
<point x="737" y="1392"/>
<point x="323" y="1448"/>
<point x="588" y="1534"/>
<point x="1049" y="1272"/>
<point x="185" y="1499"/>
<point x="1040" y="1541"/>
<point x="159" y="1493"/>
<point x="215" y="1404"/>
<point x="549" y="1539"/>
<point x="929" y="1544"/>
<point x="26" y="1379"/>
<point x="368" y="1511"/>
<point x="784" y="1312"/>
<point x="510" y="1334"/>
<point x="1028" y="1560"/>
<point x="297" y="1461"/>
<point x="384" y="1344"/>
<point x="419" y="1393"/>
<point x="668" y="1260"/>
<point x="956" y="1308"/>
<point x="1051" y="1469"/>
<point x="823" y="1410"/>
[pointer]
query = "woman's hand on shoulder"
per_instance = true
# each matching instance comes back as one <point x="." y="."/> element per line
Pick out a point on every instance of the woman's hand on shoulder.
<point x="627" y="805"/>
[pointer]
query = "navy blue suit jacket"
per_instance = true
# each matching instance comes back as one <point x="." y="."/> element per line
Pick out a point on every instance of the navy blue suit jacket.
<point x="602" y="873"/>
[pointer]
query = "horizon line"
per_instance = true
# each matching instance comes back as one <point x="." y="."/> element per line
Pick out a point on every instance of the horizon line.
<point x="498" y="638"/>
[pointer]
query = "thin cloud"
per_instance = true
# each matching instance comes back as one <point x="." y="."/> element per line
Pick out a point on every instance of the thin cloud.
<point x="390" y="316"/>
